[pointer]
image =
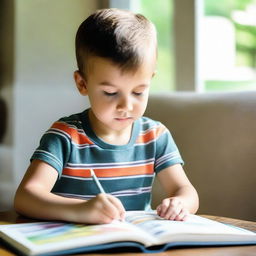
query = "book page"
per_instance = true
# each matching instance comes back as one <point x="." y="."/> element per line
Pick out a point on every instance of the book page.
<point x="196" y="228"/>
<point x="141" y="227"/>
<point x="46" y="237"/>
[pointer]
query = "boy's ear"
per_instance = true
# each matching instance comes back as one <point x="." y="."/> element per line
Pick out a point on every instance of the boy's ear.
<point x="80" y="83"/>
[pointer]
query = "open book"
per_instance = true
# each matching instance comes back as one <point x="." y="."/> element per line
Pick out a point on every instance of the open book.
<point x="144" y="231"/>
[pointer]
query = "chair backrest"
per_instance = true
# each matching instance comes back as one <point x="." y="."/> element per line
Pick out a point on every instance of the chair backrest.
<point x="216" y="135"/>
<point x="3" y="118"/>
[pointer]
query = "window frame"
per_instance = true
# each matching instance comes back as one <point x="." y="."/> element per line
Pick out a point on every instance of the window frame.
<point x="187" y="60"/>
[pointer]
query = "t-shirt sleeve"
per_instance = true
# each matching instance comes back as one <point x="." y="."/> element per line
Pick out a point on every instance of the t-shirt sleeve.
<point x="54" y="149"/>
<point x="167" y="152"/>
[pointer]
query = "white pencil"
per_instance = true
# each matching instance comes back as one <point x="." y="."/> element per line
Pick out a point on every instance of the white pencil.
<point x="97" y="181"/>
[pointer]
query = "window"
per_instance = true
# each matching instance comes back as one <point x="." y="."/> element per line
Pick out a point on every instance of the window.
<point x="160" y="13"/>
<point x="229" y="45"/>
<point x="215" y="44"/>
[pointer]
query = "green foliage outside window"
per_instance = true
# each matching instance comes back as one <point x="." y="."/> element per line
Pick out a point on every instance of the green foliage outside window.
<point x="160" y="13"/>
<point x="224" y="7"/>
<point x="245" y="42"/>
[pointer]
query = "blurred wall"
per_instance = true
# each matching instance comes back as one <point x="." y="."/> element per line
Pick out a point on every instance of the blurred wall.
<point x="42" y="57"/>
<point x="6" y="67"/>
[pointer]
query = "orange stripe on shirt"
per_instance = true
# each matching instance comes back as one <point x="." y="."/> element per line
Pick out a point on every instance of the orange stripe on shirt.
<point x="76" y="137"/>
<point x="111" y="172"/>
<point x="151" y="135"/>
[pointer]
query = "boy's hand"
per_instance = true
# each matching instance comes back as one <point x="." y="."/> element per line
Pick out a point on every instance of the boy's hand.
<point x="102" y="209"/>
<point x="172" y="209"/>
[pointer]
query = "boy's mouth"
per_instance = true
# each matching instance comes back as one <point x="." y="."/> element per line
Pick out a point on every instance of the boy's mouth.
<point x="123" y="119"/>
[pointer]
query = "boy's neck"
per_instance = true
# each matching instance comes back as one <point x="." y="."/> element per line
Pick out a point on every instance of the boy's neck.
<point x="109" y="136"/>
<point x="116" y="139"/>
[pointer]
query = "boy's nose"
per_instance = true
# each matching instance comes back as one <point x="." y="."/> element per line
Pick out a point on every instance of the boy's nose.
<point x="125" y="104"/>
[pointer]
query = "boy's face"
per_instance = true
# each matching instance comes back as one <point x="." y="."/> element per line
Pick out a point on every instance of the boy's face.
<point x="117" y="98"/>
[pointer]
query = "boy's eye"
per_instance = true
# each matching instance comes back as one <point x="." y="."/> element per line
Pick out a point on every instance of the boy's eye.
<point x="109" y="93"/>
<point x="137" y="93"/>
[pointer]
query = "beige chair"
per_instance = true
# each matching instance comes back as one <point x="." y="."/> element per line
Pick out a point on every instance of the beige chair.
<point x="216" y="135"/>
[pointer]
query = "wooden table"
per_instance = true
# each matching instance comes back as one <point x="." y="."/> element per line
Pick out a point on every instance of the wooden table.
<point x="10" y="217"/>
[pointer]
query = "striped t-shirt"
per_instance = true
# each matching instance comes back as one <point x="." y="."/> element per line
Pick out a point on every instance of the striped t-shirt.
<point x="124" y="171"/>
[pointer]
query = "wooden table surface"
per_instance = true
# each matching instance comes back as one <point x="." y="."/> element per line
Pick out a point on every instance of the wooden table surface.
<point x="10" y="217"/>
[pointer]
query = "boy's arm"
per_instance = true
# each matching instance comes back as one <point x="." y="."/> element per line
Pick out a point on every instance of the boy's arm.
<point x="34" y="199"/>
<point x="182" y="197"/>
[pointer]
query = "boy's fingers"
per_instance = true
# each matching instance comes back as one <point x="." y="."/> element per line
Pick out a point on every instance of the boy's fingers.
<point x="158" y="209"/>
<point x="118" y="206"/>
<point x="172" y="209"/>
<point x="111" y="206"/>
<point x="185" y="218"/>
<point x="104" y="219"/>
<point x="183" y="215"/>
<point x="164" y="207"/>
<point x="178" y="217"/>
<point x="106" y="208"/>
<point x="173" y="212"/>
<point x="169" y="208"/>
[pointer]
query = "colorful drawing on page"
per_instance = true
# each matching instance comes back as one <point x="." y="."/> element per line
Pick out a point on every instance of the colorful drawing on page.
<point x="71" y="231"/>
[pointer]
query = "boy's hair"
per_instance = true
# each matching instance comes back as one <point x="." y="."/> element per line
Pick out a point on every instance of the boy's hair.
<point x="118" y="35"/>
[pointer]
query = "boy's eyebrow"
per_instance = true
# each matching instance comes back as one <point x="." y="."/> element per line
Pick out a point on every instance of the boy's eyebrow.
<point x="106" y="83"/>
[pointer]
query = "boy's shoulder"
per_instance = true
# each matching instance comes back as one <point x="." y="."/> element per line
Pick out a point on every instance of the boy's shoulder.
<point x="72" y="121"/>
<point x="150" y="124"/>
<point x="74" y="118"/>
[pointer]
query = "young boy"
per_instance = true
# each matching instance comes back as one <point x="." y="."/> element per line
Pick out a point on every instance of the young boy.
<point x="116" y="53"/>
